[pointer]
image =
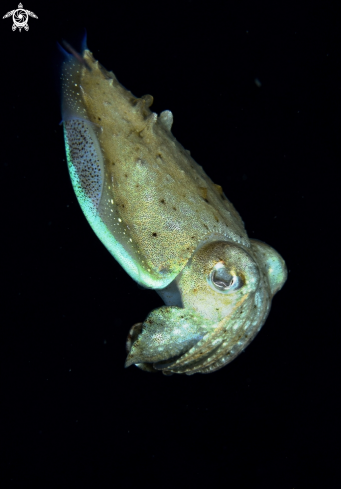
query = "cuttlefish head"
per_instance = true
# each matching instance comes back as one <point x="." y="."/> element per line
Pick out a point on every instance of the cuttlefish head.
<point x="214" y="309"/>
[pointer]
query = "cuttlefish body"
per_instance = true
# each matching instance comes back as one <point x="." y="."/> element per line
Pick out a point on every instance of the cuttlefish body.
<point x="168" y="225"/>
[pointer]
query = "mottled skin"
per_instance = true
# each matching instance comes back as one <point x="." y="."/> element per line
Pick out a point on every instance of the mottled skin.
<point x="167" y="224"/>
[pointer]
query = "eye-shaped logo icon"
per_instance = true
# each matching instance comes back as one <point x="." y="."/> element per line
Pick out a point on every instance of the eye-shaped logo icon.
<point x="20" y="17"/>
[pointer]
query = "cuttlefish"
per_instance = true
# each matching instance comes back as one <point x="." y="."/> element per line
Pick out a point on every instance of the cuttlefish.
<point x="166" y="223"/>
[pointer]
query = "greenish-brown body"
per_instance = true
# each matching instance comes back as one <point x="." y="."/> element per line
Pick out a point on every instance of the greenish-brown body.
<point x="167" y="224"/>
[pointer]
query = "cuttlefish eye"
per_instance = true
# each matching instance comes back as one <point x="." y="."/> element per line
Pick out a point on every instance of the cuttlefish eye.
<point x="223" y="280"/>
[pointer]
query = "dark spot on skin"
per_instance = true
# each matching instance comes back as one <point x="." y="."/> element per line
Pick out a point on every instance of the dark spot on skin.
<point x="122" y="205"/>
<point x="137" y="185"/>
<point x="154" y="234"/>
<point x="193" y="237"/>
<point x="162" y="201"/>
<point x="99" y="119"/>
<point x="126" y="175"/>
<point x="113" y="164"/>
<point x="174" y="208"/>
<point x="206" y="200"/>
<point x="205" y="226"/>
<point x="223" y="197"/>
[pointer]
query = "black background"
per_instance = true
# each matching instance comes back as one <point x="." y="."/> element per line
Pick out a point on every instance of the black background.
<point x="72" y="415"/>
